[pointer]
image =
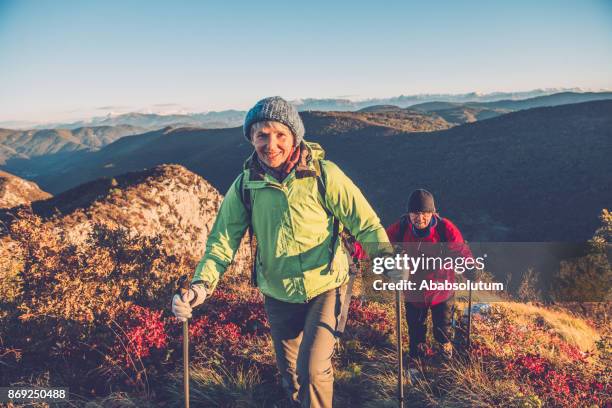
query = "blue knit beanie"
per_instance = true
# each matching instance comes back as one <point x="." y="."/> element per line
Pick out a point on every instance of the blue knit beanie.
<point x="275" y="109"/>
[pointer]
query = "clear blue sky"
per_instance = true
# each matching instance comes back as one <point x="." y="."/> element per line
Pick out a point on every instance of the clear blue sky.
<point x="68" y="59"/>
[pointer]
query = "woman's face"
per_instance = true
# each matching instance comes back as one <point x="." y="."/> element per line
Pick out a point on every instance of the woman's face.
<point x="421" y="219"/>
<point x="273" y="142"/>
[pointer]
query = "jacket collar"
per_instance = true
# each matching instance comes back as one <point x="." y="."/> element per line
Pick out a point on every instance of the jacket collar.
<point x="425" y="232"/>
<point x="304" y="168"/>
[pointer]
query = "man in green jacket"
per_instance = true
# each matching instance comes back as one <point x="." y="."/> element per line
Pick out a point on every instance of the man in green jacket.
<point x="301" y="267"/>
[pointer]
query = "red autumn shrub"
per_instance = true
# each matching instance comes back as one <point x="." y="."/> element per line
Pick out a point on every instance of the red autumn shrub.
<point x="556" y="385"/>
<point x="368" y="322"/>
<point x="567" y="382"/>
<point x="142" y="330"/>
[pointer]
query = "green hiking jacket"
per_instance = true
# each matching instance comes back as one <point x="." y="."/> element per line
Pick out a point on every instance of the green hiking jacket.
<point x="292" y="228"/>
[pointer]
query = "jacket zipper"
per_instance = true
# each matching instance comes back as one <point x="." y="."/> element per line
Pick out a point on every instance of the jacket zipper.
<point x="283" y="188"/>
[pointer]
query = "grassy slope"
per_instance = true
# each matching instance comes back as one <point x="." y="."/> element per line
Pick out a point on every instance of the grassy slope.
<point x="365" y="373"/>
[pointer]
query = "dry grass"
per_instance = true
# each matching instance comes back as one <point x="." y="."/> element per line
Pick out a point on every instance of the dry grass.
<point x="242" y="387"/>
<point x="571" y="329"/>
<point x="470" y="384"/>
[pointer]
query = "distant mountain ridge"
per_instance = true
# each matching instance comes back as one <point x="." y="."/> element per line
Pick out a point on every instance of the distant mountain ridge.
<point x="153" y="121"/>
<point x="403" y="120"/>
<point x="452" y="113"/>
<point x="562" y="98"/>
<point x="232" y="118"/>
<point x="404" y="101"/>
<point x="27" y="144"/>
<point x="456" y="113"/>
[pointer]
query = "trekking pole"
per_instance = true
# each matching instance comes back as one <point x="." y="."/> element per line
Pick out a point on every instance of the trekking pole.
<point x="469" y="328"/>
<point x="400" y="362"/>
<point x="183" y="288"/>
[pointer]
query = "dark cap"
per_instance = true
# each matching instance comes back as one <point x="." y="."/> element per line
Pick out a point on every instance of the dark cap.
<point x="421" y="200"/>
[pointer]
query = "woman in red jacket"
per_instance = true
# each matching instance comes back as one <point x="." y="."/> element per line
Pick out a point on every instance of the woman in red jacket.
<point x="422" y="227"/>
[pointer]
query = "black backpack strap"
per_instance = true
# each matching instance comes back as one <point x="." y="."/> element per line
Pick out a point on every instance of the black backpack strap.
<point x="402" y="227"/>
<point x="442" y="230"/>
<point x="245" y="197"/>
<point x="322" y="186"/>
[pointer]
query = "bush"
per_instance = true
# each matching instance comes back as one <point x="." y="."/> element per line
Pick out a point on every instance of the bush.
<point x="587" y="279"/>
<point x="74" y="294"/>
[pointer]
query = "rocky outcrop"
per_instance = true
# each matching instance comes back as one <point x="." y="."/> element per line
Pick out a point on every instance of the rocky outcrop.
<point x="16" y="191"/>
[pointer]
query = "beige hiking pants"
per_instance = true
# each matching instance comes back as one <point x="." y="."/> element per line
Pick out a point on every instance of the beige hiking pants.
<point x="304" y="336"/>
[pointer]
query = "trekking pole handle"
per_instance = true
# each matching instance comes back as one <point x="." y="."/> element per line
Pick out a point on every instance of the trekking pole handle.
<point x="182" y="287"/>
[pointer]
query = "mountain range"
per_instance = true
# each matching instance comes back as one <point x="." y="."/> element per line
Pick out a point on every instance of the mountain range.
<point x="534" y="175"/>
<point x="404" y="101"/>
<point x="508" y="101"/>
<point x="30" y="144"/>
<point x="53" y="164"/>
<point x="438" y="115"/>
<point x="456" y="113"/>
<point x="150" y="121"/>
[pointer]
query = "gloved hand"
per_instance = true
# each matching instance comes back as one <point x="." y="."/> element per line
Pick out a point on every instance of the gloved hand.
<point x="181" y="306"/>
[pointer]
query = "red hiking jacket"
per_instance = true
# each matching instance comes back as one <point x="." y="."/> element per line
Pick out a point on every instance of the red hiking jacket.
<point x="456" y="248"/>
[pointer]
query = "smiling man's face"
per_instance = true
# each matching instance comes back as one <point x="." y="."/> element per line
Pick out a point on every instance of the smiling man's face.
<point x="273" y="142"/>
<point x="421" y="219"/>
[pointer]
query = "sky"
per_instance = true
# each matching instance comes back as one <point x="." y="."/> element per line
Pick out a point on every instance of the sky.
<point x="66" y="60"/>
